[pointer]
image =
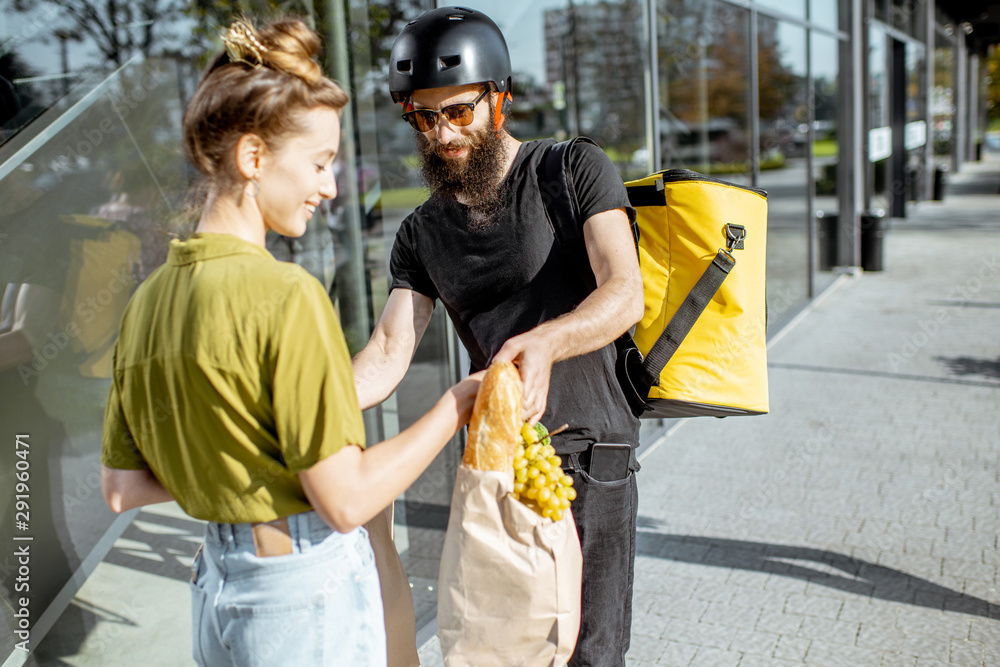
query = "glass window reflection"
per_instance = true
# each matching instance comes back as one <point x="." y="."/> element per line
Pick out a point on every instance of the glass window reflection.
<point x="943" y="100"/>
<point x="793" y="8"/>
<point x="878" y="101"/>
<point x="826" y="155"/>
<point x="87" y="216"/>
<point x="824" y="14"/>
<point x="915" y="137"/>
<point x="704" y="90"/>
<point x="784" y="134"/>
<point x="574" y="76"/>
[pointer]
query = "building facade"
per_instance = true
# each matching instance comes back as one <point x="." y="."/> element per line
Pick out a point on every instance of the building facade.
<point x="840" y="111"/>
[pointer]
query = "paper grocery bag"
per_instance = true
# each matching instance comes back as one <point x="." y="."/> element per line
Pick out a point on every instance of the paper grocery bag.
<point x="397" y="599"/>
<point x="509" y="583"/>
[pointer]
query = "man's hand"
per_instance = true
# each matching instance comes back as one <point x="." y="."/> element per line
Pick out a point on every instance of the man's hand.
<point x="533" y="353"/>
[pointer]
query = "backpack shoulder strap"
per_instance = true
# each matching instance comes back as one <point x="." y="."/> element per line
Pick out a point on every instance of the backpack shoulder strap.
<point x="558" y="193"/>
<point x="563" y="214"/>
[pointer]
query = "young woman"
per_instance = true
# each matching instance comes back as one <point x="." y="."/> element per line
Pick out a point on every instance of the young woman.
<point x="233" y="391"/>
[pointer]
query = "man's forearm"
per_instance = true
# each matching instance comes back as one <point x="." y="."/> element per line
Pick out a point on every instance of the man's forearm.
<point x="380" y="366"/>
<point x="599" y="319"/>
<point x="376" y="376"/>
<point x="617" y="302"/>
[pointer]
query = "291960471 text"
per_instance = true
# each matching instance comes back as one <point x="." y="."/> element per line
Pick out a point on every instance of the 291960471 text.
<point x="22" y="540"/>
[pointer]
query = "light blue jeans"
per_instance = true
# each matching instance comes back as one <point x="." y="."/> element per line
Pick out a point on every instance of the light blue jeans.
<point x="320" y="605"/>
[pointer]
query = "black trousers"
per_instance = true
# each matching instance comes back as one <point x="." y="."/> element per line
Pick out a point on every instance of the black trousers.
<point x="605" y="514"/>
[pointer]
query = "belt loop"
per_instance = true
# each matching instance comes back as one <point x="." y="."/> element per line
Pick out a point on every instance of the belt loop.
<point x="301" y="534"/>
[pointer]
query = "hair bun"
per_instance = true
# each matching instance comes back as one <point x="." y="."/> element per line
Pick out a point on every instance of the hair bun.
<point x="291" y="47"/>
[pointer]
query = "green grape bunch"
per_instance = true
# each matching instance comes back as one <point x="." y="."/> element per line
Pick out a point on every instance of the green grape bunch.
<point x="539" y="481"/>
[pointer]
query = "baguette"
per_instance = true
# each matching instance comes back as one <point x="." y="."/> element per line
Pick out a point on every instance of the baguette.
<point x="494" y="430"/>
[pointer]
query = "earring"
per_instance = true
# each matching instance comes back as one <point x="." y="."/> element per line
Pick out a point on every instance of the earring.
<point x="256" y="188"/>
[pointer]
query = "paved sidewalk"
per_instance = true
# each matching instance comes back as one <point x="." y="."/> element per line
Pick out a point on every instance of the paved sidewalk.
<point x="857" y="523"/>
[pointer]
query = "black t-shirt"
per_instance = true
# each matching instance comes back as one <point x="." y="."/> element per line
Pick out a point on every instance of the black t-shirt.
<point x="510" y="277"/>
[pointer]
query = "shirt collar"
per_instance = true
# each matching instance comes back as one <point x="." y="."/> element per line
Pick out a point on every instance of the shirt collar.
<point x="202" y="246"/>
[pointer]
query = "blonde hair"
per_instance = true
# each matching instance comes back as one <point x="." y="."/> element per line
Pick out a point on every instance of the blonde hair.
<point x="260" y="85"/>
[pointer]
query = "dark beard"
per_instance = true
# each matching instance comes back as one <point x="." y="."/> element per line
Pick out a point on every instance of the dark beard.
<point x="476" y="180"/>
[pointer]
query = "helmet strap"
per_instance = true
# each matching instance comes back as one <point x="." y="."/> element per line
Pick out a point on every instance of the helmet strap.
<point x="498" y="110"/>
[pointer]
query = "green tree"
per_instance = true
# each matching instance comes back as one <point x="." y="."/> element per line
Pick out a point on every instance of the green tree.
<point x="213" y="17"/>
<point x="118" y="28"/>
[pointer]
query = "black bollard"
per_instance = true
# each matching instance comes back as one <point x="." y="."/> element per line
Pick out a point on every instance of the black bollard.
<point x="872" y="240"/>
<point x="940" y="172"/>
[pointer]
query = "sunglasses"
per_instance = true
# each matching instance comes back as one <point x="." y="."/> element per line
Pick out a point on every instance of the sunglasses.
<point x="461" y="114"/>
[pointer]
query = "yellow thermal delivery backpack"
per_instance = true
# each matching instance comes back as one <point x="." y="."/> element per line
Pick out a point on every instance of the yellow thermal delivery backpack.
<point x="700" y="348"/>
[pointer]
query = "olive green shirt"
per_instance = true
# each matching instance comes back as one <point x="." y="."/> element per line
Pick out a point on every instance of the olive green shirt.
<point x="231" y="375"/>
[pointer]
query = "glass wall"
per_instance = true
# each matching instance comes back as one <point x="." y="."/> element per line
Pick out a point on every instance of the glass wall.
<point x="897" y="109"/>
<point x="879" y="123"/>
<point x="907" y="16"/>
<point x="704" y="77"/>
<point x="943" y="107"/>
<point x="915" y="137"/>
<point x="823" y="60"/>
<point x="88" y="207"/>
<point x="712" y="120"/>
<point x="824" y="14"/>
<point x="793" y="8"/>
<point x="783" y="112"/>
<point x="389" y="188"/>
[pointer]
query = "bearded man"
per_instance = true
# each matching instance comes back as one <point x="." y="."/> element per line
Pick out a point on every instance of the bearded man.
<point x="483" y="246"/>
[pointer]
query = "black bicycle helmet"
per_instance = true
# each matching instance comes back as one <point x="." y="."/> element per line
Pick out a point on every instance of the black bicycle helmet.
<point x="448" y="46"/>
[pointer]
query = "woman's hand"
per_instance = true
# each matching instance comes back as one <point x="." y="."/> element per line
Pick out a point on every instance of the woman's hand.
<point x="351" y="486"/>
<point x="464" y="394"/>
